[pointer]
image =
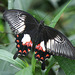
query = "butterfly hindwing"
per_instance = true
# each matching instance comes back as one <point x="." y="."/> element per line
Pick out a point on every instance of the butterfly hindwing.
<point x="23" y="44"/>
<point x="41" y="54"/>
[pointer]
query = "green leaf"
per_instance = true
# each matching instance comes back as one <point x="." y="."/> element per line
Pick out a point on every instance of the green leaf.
<point x="66" y="64"/>
<point x="4" y="55"/>
<point x="22" y="4"/>
<point x="10" y="4"/>
<point x="25" y="71"/>
<point x="73" y="42"/>
<point x="1" y="26"/>
<point x="52" y="62"/>
<point x="54" y="21"/>
<point x="33" y="64"/>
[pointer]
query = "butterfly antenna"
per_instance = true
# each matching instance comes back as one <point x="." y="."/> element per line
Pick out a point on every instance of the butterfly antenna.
<point x="38" y="14"/>
<point x="45" y="17"/>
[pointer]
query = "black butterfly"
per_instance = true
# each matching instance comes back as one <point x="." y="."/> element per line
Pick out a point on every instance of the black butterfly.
<point x="29" y="33"/>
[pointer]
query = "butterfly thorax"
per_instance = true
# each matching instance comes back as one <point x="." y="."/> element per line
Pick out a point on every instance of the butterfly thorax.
<point x="41" y="23"/>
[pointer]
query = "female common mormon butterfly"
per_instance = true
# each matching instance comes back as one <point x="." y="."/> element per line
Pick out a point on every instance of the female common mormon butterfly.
<point x="29" y="33"/>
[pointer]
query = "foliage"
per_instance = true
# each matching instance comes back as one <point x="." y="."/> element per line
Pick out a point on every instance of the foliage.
<point x="27" y="65"/>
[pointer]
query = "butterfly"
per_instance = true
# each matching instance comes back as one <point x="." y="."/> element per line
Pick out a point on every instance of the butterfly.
<point x="30" y="34"/>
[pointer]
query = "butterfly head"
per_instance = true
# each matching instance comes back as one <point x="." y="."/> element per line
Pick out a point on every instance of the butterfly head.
<point x="41" y="23"/>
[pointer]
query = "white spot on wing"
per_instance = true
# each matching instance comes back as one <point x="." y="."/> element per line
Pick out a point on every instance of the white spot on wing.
<point x="48" y="44"/>
<point x="22" y="17"/>
<point x="52" y="44"/>
<point x="59" y="39"/>
<point x="26" y="38"/>
<point x="42" y="45"/>
<point x="21" y="29"/>
<point x="17" y="22"/>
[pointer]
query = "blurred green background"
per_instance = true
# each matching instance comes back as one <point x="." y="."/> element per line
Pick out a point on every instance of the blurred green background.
<point x="41" y="10"/>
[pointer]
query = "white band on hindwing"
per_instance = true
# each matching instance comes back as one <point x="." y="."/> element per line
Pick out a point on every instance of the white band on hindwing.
<point x="26" y="38"/>
<point x="42" y="44"/>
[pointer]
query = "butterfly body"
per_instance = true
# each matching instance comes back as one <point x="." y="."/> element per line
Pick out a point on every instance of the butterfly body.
<point x="29" y="33"/>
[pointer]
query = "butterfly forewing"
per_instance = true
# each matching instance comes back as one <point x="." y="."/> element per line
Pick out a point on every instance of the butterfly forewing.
<point x="58" y="44"/>
<point x="20" y="20"/>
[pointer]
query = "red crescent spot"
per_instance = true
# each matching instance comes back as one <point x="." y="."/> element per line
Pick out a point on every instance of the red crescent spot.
<point x="43" y="50"/>
<point x="35" y="52"/>
<point x="28" y="50"/>
<point x="23" y="44"/>
<point x="27" y="44"/>
<point x="38" y="56"/>
<point x="20" y="51"/>
<point x="30" y="43"/>
<point x="17" y="35"/>
<point x="37" y="47"/>
<point x="18" y="45"/>
<point x="42" y="58"/>
<point x="24" y="51"/>
<point x="17" y="41"/>
<point x="40" y="48"/>
<point x="47" y="55"/>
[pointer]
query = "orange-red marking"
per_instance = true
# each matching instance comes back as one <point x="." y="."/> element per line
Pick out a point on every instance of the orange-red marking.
<point x="20" y="51"/>
<point x="27" y="43"/>
<point x="18" y="45"/>
<point x="40" y="48"/>
<point x="35" y="52"/>
<point x="17" y="41"/>
<point x="17" y="35"/>
<point x="28" y="50"/>
<point x="42" y="58"/>
<point x="47" y="55"/>
<point x="24" y="51"/>
<point x="37" y="47"/>
<point x="23" y="44"/>
<point x="30" y="43"/>
<point x="38" y="56"/>
<point x="43" y="50"/>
